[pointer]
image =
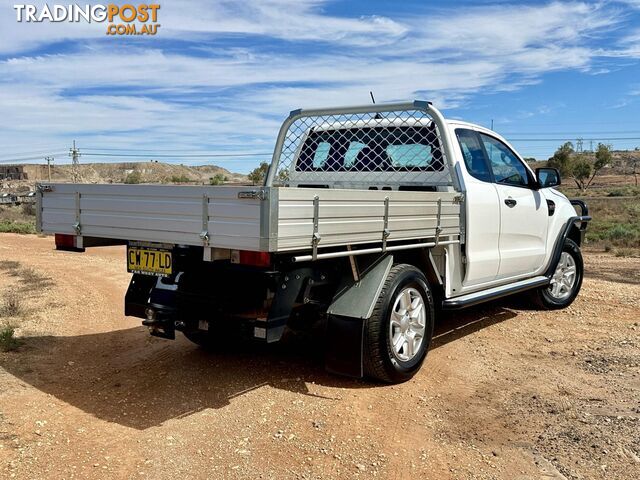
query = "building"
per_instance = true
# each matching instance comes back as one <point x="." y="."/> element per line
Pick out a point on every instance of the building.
<point x="12" y="172"/>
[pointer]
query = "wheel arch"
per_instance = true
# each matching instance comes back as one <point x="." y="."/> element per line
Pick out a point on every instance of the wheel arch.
<point x="423" y="261"/>
<point x="575" y="235"/>
<point x="562" y="236"/>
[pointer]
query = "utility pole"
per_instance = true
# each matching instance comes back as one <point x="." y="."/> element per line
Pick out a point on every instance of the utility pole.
<point x="74" y="153"/>
<point x="49" y="160"/>
<point x="492" y="124"/>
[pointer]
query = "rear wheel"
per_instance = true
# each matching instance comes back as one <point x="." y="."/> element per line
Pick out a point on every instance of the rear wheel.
<point x="398" y="334"/>
<point x="566" y="280"/>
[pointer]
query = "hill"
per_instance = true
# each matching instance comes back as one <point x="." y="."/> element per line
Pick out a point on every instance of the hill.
<point x="135" y="172"/>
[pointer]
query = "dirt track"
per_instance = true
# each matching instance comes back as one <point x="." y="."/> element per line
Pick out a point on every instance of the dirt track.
<point x="506" y="392"/>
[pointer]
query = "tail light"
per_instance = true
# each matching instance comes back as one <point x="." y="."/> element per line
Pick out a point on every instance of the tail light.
<point x="246" y="257"/>
<point x="65" y="241"/>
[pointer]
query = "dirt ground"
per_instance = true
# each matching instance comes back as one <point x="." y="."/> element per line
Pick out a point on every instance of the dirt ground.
<point x="507" y="392"/>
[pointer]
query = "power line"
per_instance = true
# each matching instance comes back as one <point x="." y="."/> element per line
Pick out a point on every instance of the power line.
<point x="42" y="151"/>
<point x="565" y="139"/>
<point x="26" y="159"/>
<point x="576" y="133"/>
<point x="183" y="155"/>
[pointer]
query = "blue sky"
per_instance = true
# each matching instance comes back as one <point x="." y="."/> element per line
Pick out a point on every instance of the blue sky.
<point x="221" y="74"/>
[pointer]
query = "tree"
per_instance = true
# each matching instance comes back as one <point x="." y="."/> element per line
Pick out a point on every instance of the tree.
<point x="218" y="179"/>
<point x="603" y="158"/>
<point x="581" y="170"/>
<point x="582" y="167"/>
<point x="258" y="174"/>
<point x="562" y="159"/>
<point x="283" y="175"/>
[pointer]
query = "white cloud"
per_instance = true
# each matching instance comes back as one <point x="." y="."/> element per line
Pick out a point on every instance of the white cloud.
<point x="128" y="94"/>
<point x="284" y="19"/>
<point x="300" y="20"/>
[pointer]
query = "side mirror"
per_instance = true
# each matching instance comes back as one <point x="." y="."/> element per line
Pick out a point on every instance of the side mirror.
<point x="547" y="177"/>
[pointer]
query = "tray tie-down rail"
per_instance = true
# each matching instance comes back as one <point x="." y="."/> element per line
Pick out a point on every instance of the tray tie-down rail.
<point x="349" y="252"/>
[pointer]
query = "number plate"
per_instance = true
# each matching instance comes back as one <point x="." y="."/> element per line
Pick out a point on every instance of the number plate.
<point x="149" y="260"/>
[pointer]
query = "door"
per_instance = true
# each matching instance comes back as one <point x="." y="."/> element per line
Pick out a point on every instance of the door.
<point x="482" y="212"/>
<point x="524" y="215"/>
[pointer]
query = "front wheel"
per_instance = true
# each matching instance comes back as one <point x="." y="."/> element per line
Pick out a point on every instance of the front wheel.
<point x="566" y="280"/>
<point x="398" y="334"/>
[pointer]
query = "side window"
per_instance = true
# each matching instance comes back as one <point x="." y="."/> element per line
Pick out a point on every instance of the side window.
<point x="321" y="154"/>
<point x="507" y="168"/>
<point x="473" y="155"/>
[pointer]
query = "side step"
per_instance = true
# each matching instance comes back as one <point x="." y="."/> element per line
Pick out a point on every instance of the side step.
<point x="474" y="298"/>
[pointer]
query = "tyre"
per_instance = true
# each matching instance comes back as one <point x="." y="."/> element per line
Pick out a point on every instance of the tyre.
<point x="399" y="332"/>
<point x="565" y="282"/>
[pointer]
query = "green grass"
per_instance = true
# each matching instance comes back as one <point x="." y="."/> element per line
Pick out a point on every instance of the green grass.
<point x="616" y="223"/>
<point x="627" y="191"/>
<point x="9" y="226"/>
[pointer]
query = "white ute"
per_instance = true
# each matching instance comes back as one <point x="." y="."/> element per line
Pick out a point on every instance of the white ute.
<point x="371" y="220"/>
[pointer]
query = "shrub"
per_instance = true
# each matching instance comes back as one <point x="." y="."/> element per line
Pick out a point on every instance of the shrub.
<point x="180" y="179"/>
<point x="622" y="232"/>
<point x="217" y="179"/>
<point x="627" y="191"/>
<point x="133" y="178"/>
<point x="626" y="252"/>
<point x="8" y="340"/>
<point x="32" y="280"/>
<point x="11" y="305"/>
<point x="28" y="209"/>
<point x="7" y="226"/>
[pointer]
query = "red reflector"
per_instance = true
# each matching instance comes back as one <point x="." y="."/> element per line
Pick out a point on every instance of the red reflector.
<point x="65" y="240"/>
<point x="258" y="259"/>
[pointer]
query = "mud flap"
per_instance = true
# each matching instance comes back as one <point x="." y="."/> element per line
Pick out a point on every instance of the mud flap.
<point x="347" y="317"/>
<point x="344" y="350"/>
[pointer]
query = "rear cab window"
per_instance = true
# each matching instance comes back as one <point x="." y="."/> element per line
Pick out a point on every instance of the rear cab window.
<point x="390" y="149"/>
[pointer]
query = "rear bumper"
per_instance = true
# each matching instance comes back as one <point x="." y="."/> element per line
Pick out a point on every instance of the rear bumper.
<point x="260" y="300"/>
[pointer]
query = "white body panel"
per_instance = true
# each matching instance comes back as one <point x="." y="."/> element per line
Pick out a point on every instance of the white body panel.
<point x="523" y="231"/>
<point x="482" y="225"/>
<point x="504" y="244"/>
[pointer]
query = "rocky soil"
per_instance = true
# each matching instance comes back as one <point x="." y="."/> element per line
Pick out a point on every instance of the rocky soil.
<point x="507" y="392"/>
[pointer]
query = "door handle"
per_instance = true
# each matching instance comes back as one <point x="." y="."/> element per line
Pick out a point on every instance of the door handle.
<point x="510" y="202"/>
